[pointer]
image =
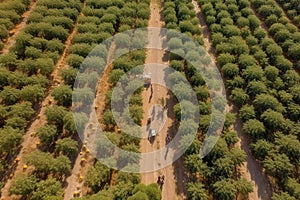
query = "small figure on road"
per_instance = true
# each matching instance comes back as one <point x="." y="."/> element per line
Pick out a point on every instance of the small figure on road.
<point x="162" y="181"/>
<point x="165" y="107"/>
<point x="168" y="138"/>
<point x="150" y="98"/>
<point x="158" y="180"/>
<point x="149" y="121"/>
<point x="151" y="93"/>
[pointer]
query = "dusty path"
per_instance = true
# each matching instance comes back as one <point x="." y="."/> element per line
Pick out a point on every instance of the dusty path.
<point x="29" y="141"/>
<point x="173" y="187"/>
<point x="17" y="29"/>
<point x="74" y="182"/>
<point x="251" y="169"/>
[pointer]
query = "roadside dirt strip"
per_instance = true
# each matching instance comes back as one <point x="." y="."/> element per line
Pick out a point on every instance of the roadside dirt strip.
<point x="251" y="169"/>
<point x="75" y="182"/>
<point x="173" y="187"/>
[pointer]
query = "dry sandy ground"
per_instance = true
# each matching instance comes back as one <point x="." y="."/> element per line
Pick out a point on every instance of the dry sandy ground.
<point x="173" y="187"/>
<point x="73" y="181"/>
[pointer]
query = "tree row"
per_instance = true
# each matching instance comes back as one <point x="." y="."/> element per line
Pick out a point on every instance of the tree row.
<point x="268" y="115"/>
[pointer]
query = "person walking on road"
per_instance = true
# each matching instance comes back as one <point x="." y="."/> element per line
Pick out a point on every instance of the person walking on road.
<point x="162" y="181"/>
<point x="158" y="180"/>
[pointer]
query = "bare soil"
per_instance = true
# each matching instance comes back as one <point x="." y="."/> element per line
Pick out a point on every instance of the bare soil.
<point x="79" y="171"/>
<point x="173" y="187"/>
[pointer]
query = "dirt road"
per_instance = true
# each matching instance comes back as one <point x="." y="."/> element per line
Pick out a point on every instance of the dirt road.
<point x="173" y="187"/>
<point x="251" y="169"/>
<point x="79" y="171"/>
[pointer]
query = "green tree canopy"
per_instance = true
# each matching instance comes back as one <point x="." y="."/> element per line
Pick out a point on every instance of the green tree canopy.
<point x="139" y="196"/>
<point x="47" y="134"/>
<point x="23" y="185"/>
<point x="230" y="137"/>
<point x="254" y="128"/>
<point x="239" y="96"/>
<point x="230" y="70"/>
<point x="126" y="176"/>
<point x="271" y="73"/>
<point x="10" y="138"/>
<point x="243" y="187"/>
<point x="247" y="112"/>
<point x="23" y="110"/>
<point x="252" y="73"/>
<point x="47" y="188"/>
<point x="61" y="166"/>
<point x="261" y="149"/>
<point x="195" y="165"/>
<point x="279" y="166"/>
<point x="43" y="162"/>
<point x="290" y="145"/>
<point x="293" y="187"/>
<point x="263" y="102"/>
<point x="10" y="95"/>
<point x="256" y="87"/>
<point x="63" y="95"/>
<point x="32" y="93"/>
<point x="97" y="176"/>
<point x="282" y="196"/>
<point x="69" y="75"/>
<point x="224" y="189"/>
<point x="55" y="115"/>
<point x="196" y="191"/>
<point x="66" y="146"/>
<point x="152" y="190"/>
<point x="273" y="120"/>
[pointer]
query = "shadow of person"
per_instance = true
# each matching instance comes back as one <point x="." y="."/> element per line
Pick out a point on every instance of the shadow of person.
<point x="166" y="154"/>
<point x="153" y="112"/>
<point x="150" y="98"/>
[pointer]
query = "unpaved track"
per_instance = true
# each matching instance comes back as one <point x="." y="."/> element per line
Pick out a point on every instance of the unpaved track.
<point x="73" y="181"/>
<point x="251" y="169"/>
<point x="29" y="142"/>
<point x="17" y="29"/>
<point x="173" y="188"/>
